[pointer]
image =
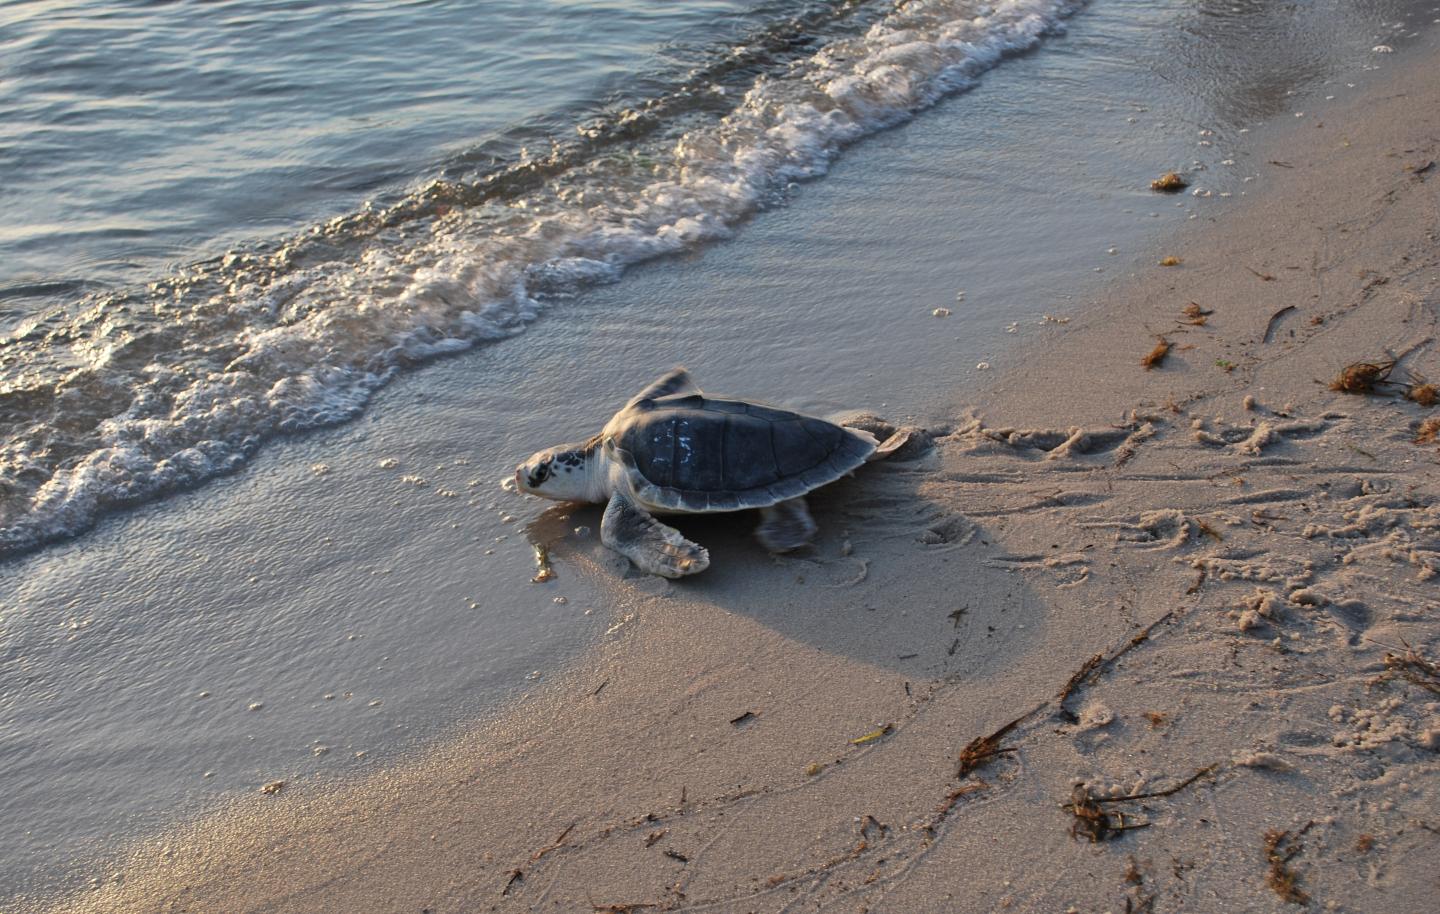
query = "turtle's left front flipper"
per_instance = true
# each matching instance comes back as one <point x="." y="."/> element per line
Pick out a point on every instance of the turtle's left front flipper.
<point x="652" y="546"/>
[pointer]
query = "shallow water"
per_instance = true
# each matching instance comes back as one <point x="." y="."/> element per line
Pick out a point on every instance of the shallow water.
<point x="250" y="588"/>
<point x="125" y="395"/>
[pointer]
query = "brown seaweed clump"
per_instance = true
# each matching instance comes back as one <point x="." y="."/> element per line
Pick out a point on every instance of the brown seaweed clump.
<point x="1280" y="848"/>
<point x="1361" y="377"/>
<point x="1157" y="355"/>
<point x="1169" y="183"/>
<point x="1428" y="431"/>
<point x="1424" y="394"/>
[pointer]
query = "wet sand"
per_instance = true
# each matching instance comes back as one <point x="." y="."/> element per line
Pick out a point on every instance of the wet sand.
<point x="1123" y="578"/>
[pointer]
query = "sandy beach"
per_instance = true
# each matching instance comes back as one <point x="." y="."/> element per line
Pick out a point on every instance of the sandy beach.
<point x="1126" y="638"/>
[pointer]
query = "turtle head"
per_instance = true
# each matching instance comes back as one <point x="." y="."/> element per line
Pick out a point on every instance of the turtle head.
<point x="567" y="472"/>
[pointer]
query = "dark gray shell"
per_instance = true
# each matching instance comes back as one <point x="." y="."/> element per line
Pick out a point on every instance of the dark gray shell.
<point x="695" y="453"/>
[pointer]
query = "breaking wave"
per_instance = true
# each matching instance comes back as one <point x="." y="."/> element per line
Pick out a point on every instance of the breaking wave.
<point x="132" y="394"/>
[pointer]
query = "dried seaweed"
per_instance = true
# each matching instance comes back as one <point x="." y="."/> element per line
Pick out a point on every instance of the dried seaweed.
<point x="1097" y="823"/>
<point x="1280" y="848"/>
<point x="1428" y="431"/>
<point x="1423" y="394"/>
<point x="1361" y="377"/>
<point x="982" y="749"/>
<point x="1094" y="821"/>
<point x="1157" y="355"/>
<point x="1415" y="668"/>
<point x="1196" y="315"/>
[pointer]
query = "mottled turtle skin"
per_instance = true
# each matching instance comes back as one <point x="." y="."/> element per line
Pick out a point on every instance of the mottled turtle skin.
<point x="692" y="454"/>
<point x="673" y="450"/>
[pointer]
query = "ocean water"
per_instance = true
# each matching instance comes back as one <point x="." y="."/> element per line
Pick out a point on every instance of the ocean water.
<point x="147" y="132"/>
<point x="229" y="223"/>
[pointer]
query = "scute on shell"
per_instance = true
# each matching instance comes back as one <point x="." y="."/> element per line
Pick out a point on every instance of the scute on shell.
<point x="695" y="454"/>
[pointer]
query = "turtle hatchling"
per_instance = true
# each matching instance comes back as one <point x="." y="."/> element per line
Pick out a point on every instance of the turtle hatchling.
<point x="673" y="450"/>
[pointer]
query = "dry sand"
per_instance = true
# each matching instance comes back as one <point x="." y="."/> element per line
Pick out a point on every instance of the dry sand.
<point x="1126" y="577"/>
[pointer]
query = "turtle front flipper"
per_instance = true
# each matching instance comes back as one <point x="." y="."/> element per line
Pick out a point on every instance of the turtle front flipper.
<point x="674" y="381"/>
<point x="785" y="526"/>
<point x="652" y="546"/>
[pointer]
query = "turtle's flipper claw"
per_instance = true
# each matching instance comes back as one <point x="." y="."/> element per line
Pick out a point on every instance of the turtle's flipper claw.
<point x="652" y="546"/>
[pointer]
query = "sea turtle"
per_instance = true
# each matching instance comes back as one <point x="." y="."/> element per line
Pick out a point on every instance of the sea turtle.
<point x="673" y="450"/>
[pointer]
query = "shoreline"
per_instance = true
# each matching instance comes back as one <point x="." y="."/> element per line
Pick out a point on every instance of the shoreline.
<point x="1270" y="552"/>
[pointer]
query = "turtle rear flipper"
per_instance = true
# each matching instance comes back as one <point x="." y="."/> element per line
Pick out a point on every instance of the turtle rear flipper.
<point x="907" y="443"/>
<point x="894" y="442"/>
<point x="785" y="526"/>
<point x="652" y="546"/>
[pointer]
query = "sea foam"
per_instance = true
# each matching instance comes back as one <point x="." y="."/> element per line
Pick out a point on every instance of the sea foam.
<point x="146" y="391"/>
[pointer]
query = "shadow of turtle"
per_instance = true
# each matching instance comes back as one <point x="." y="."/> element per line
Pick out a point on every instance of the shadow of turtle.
<point x="893" y="578"/>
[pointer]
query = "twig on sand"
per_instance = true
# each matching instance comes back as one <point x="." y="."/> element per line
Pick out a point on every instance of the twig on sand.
<point x="1099" y="662"/>
<point x="555" y="845"/>
<point x="516" y="875"/>
<point x="1208" y="769"/>
<point x="1270" y="325"/>
<point x="1074" y="683"/>
<point x="948" y="804"/>
<point x="1264" y="277"/>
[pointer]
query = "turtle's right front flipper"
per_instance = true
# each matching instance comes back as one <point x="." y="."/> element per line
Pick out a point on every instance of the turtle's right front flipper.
<point x="652" y="546"/>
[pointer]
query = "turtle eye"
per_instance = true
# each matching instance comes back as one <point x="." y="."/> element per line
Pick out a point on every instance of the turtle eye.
<point x="542" y="473"/>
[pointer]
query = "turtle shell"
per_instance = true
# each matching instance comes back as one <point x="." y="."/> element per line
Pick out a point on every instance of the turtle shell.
<point x="695" y="453"/>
